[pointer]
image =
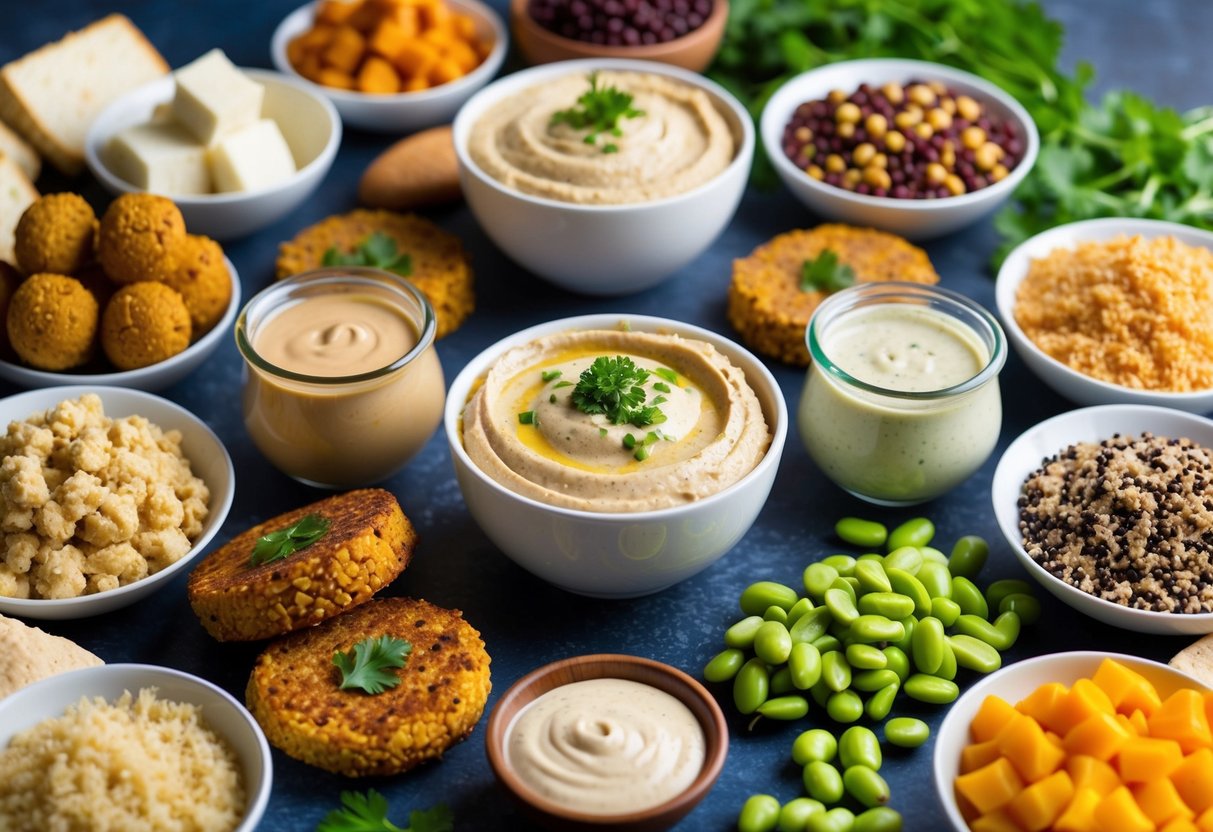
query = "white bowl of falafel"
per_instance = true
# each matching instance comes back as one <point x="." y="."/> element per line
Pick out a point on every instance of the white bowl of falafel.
<point x="129" y="300"/>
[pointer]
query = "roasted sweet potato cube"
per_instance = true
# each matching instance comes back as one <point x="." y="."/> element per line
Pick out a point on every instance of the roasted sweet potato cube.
<point x="345" y="50"/>
<point x="990" y="787"/>
<point x="1035" y="808"/>
<point x="1181" y="717"/>
<point x="1160" y="800"/>
<point x="377" y="76"/>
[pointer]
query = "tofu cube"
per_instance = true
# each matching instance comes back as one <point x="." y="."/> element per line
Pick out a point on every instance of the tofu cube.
<point x="214" y="98"/>
<point x="161" y="157"/>
<point x="251" y="158"/>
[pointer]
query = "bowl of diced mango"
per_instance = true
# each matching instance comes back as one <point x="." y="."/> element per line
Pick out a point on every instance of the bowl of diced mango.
<point x="1079" y="741"/>
<point x="392" y="65"/>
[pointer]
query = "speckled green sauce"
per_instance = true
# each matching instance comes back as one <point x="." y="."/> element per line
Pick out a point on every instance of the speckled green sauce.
<point x="899" y="449"/>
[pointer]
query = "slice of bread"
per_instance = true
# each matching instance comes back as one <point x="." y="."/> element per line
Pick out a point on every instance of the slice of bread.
<point x="17" y="149"/>
<point x="53" y="94"/>
<point x="16" y="194"/>
<point x="31" y="654"/>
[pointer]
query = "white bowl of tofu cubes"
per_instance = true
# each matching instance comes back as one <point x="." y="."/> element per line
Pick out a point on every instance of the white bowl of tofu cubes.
<point x="235" y="148"/>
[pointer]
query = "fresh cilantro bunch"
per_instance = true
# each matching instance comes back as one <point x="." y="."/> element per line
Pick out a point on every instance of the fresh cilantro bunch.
<point x="368" y="813"/>
<point x="612" y="386"/>
<point x="368" y="666"/>
<point x="285" y="542"/>
<point x="599" y="110"/>
<point x="377" y="251"/>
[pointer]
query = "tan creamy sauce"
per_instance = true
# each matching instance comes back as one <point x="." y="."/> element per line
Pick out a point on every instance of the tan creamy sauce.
<point x="606" y="746"/>
<point x="339" y="433"/>
<point x="335" y="336"/>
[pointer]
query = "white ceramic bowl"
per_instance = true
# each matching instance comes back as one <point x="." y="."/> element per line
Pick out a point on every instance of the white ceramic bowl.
<point x="155" y="377"/>
<point x="916" y="219"/>
<point x="1050" y="437"/>
<point x="308" y="122"/>
<point x="620" y="555"/>
<point x="602" y="249"/>
<point x="1068" y="382"/>
<point x="406" y="111"/>
<point x="1014" y="682"/>
<point x="52" y="696"/>
<point x="209" y="460"/>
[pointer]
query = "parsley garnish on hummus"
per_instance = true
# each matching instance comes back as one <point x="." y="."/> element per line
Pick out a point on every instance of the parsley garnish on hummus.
<point x="599" y="110"/>
<point x="612" y="386"/>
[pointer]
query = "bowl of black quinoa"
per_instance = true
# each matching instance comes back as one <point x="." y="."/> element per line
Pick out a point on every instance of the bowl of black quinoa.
<point x="910" y="147"/>
<point x="1110" y="508"/>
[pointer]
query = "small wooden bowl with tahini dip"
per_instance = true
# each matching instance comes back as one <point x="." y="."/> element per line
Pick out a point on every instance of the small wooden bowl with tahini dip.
<point x="596" y="716"/>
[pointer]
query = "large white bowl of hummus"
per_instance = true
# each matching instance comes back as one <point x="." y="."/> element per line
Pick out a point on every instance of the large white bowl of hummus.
<point x="603" y="212"/>
<point x="605" y="508"/>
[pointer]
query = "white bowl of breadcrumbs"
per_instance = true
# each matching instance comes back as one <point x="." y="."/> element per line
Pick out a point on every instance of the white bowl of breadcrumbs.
<point x="130" y="746"/>
<point x="1114" y="311"/>
<point x="1109" y="509"/>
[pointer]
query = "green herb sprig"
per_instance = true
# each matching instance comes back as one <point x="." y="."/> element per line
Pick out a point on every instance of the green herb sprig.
<point x="599" y="110"/>
<point x="368" y="666"/>
<point x="368" y="813"/>
<point x="377" y="251"/>
<point x="285" y="542"/>
<point x="612" y="386"/>
<point x="825" y="274"/>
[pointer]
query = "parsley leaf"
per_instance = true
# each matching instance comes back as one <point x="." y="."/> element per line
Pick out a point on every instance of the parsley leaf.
<point x="612" y="386"/>
<point x="599" y="111"/>
<point x="284" y="542"/>
<point x="377" y="251"/>
<point x="368" y="813"/>
<point x="825" y="274"/>
<point x="368" y="668"/>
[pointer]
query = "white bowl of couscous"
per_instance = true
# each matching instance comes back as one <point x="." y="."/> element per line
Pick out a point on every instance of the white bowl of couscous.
<point x="62" y="510"/>
<point x="146" y="758"/>
<point x="1108" y="312"/>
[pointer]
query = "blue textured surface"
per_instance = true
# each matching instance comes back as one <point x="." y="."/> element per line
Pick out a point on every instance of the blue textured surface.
<point x="1160" y="48"/>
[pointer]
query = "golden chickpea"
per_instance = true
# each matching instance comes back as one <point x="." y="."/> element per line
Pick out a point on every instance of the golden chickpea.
<point x="936" y="173"/>
<point x="846" y="130"/>
<point x="852" y="177"/>
<point x="922" y="95"/>
<point x="987" y="156"/>
<point x="948" y="105"/>
<point x="863" y="153"/>
<point x="802" y="134"/>
<point x="893" y="93"/>
<point x="836" y="96"/>
<point x="954" y="184"/>
<point x="967" y="108"/>
<point x="924" y="130"/>
<point x="876" y="125"/>
<point x="815" y="172"/>
<point x="835" y="164"/>
<point x="939" y="119"/>
<point x="937" y="87"/>
<point x="947" y="154"/>
<point x="999" y="173"/>
<point x="895" y="142"/>
<point x="880" y="160"/>
<point x="906" y="119"/>
<point x="847" y="113"/>
<point x="973" y="137"/>
<point x="877" y="177"/>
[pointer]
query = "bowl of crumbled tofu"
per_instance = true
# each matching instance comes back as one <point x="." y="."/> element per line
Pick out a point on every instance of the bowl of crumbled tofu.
<point x="235" y="148"/>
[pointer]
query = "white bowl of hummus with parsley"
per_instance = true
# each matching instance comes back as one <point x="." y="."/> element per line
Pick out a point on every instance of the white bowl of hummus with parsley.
<point x="615" y="455"/>
<point x="603" y="176"/>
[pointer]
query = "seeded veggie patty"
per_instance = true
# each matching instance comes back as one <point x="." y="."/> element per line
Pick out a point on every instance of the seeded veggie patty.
<point x="770" y="310"/>
<point x="440" y="267"/>
<point x="294" y="690"/>
<point x="1129" y="520"/>
<point x="369" y="543"/>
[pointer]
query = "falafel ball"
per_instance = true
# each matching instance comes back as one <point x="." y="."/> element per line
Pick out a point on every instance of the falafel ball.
<point x="201" y="277"/>
<point x="138" y="236"/>
<point x="52" y="322"/>
<point x="57" y="233"/>
<point x="144" y="323"/>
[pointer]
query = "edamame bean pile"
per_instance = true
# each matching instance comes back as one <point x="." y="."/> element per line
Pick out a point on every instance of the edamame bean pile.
<point x="866" y="629"/>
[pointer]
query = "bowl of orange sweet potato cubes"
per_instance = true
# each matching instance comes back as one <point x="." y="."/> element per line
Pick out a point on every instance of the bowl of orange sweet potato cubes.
<point x="392" y="65"/>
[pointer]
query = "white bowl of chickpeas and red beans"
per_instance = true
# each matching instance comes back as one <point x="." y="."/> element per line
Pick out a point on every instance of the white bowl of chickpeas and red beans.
<point x="350" y="67"/>
<point x="911" y="147"/>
